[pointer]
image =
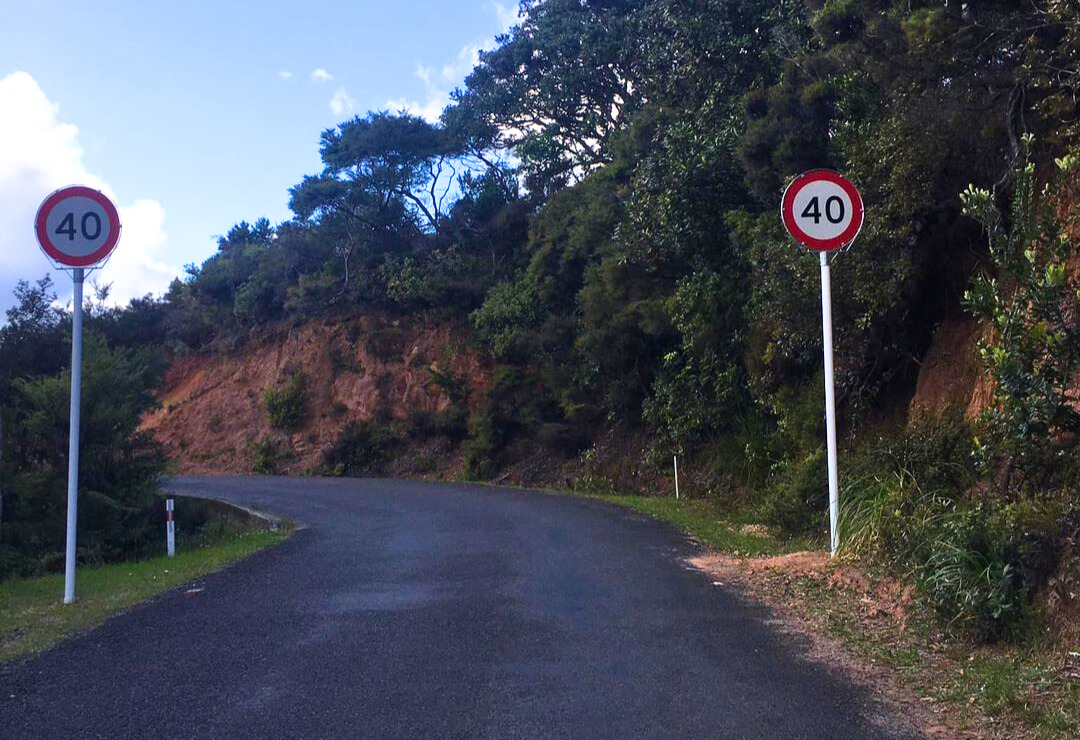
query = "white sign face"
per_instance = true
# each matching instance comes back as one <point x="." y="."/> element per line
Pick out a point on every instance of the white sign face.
<point x="823" y="210"/>
<point x="77" y="226"/>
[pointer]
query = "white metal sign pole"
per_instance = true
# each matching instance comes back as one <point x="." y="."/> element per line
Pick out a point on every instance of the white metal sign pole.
<point x="73" y="441"/>
<point x="830" y="402"/>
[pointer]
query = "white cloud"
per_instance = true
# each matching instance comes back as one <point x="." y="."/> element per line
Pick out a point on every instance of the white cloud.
<point x="437" y="87"/>
<point x="506" y="14"/>
<point x="341" y="102"/>
<point x="321" y="75"/>
<point x="459" y="69"/>
<point x="39" y="154"/>
<point x="429" y="111"/>
<point x="452" y="74"/>
<point x="285" y="75"/>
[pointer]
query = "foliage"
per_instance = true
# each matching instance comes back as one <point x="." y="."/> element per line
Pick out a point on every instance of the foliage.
<point x="286" y="403"/>
<point x="555" y="90"/>
<point x="120" y="466"/>
<point x="797" y="496"/>
<point x="266" y="457"/>
<point x="361" y="449"/>
<point x="979" y="563"/>
<point x="1031" y="302"/>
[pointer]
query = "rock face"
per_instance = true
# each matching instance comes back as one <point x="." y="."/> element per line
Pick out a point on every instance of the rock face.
<point x="213" y="413"/>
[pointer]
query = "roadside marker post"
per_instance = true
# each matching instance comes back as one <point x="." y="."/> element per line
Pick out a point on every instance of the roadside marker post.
<point x="676" y="458"/>
<point x="77" y="228"/>
<point x="170" y="528"/>
<point x="823" y="211"/>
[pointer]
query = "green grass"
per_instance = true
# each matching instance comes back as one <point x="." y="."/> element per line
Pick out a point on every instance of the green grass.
<point x="33" y="617"/>
<point x="1022" y="685"/>
<point x="713" y="525"/>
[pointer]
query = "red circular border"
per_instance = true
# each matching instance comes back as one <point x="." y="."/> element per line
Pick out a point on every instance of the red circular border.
<point x="787" y="211"/>
<point x="77" y="191"/>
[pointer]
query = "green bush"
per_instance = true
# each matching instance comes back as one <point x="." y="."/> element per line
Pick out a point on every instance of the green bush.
<point x="796" y="499"/>
<point x="897" y="489"/>
<point x="483" y="443"/>
<point x="267" y="457"/>
<point x="1029" y="436"/>
<point x="120" y="467"/>
<point x="286" y="404"/>
<point x="362" y="449"/>
<point x="912" y="503"/>
<point x="968" y="578"/>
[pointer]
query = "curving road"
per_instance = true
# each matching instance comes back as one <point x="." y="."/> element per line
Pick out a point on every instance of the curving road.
<point x="423" y="610"/>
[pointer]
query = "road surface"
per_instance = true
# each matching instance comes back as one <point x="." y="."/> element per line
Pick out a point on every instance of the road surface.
<point x="423" y="610"/>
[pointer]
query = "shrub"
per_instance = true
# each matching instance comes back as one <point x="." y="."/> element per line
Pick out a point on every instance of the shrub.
<point x="897" y="489"/>
<point x="912" y="503"/>
<point x="453" y="422"/>
<point x="796" y="500"/>
<point x="362" y="449"/>
<point x="1029" y="435"/>
<point x="482" y="444"/>
<point x="286" y="403"/>
<point x="968" y="578"/>
<point x="266" y="457"/>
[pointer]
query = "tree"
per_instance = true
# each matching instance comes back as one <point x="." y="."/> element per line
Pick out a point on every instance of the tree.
<point x="555" y="90"/>
<point x="379" y="168"/>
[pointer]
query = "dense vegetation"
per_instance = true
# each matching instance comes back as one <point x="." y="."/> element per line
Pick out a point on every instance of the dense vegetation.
<point x="600" y="202"/>
<point x="119" y="466"/>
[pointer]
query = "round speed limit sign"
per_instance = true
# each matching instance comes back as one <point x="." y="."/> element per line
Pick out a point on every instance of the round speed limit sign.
<point x="77" y="226"/>
<point x="823" y="210"/>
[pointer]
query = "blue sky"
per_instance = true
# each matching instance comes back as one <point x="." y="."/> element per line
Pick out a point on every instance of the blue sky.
<point x="196" y="115"/>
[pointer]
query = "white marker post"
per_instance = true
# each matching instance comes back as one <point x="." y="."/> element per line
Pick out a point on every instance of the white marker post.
<point x="77" y="228"/>
<point x="676" y="458"/>
<point x="823" y="211"/>
<point x="170" y="528"/>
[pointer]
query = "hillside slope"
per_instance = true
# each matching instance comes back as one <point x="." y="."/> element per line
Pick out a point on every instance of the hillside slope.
<point x="213" y="415"/>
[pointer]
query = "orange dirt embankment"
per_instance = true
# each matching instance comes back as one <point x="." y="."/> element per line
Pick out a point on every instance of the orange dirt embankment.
<point x="951" y="377"/>
<point x="213" y="415"/>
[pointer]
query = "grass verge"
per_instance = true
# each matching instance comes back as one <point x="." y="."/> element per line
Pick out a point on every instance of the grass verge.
<point x="32" y="617"/>
<point x="735" y="532"/>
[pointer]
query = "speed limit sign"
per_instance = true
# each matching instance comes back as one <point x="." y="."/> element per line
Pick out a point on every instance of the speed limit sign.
<point x="823" y="210"/>
<point x="77" y="226"/>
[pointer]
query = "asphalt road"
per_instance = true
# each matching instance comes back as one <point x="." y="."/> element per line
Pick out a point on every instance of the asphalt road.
<point x="421" y="610"/>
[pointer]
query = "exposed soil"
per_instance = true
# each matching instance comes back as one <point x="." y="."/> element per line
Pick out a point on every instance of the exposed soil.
<point x="213" y="415"/>
<point x="951" y="375"/>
